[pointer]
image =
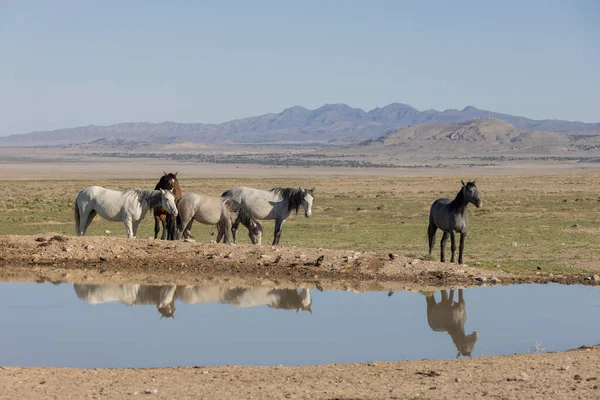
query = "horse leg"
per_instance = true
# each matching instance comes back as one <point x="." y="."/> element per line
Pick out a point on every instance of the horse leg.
<point x="443" y="245"/>
<point x="170" y="227"/>
<point x="89" y="220"/>
<point x="431" y="235"/>
<point x="461" y="247"/>
<point x="156" y="225"/>
<point x="163" y="219"/>
<point x="278" y="231"/>
<point x="451" y="296"/>
<point x="135" y="226"/>
<point x="461" y="300"/>
<point x="128" y="226"/>
<point x="444" y="294"/>
<point x="234" y="229"/>
<point x="452" y="245"/>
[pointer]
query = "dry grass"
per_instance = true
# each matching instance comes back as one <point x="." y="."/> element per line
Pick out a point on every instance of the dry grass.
<point x="382" y="214"/>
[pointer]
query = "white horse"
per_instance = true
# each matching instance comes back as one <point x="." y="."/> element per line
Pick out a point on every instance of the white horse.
<point x="219" y="211"/>
<point x="277" y="204"/>
<point x="129" y="206"/>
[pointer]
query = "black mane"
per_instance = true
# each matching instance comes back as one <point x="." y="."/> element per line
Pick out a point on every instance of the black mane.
<point x="293" y="196"/>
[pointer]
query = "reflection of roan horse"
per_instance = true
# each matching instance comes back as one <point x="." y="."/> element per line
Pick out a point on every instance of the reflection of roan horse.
<point x="164" y="296"/>
<point x="448" y="316"/>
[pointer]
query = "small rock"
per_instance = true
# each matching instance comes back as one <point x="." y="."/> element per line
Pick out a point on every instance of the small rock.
<point x="188" y="240"/>
<point x="107" y="232"/>
<point x="392" y="256"/>
<point x="577" y="377"/>
<point x="524" y="376"/>
<point x="204" y="372"/>
<point x="229" y="255"/>
<point x="415" y="261"/>
<point x="494" y="280"/>
<point x="102" y="258"/>
<point x="564" y="368"/>
<point x="575" y="226"/>
<point x="89" y="247"/>
<point x="457" y="380"/>
<point x="514" y="244"/>
<point x="67" y="249"/>
<point x="595" y="278"/>
<point x="150" y="391"/>
<point x="481" y="279"/>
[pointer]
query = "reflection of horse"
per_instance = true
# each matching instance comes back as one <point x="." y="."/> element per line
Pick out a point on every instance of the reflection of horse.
<point x="448" y="316"/>
<point x="164" y="296"/>
<point x="167" y="181"/>
<point x="452" y="216"/>
<point x="287" y="299"/>
<point x="277" y="204"/>
<point x="219" y="211"/>
<point x="161" y="296"/>
<point x="129" y="206"/>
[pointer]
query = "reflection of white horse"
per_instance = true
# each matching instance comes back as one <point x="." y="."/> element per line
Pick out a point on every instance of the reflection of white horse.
<point x="164" y="296"/>
<point x="287" y="299"/>
<point x="161" y="296"/>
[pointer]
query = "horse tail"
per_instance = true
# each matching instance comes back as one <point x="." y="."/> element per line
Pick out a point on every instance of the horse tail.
<point x="77" y="217"/>
<point x="243" y="214"/>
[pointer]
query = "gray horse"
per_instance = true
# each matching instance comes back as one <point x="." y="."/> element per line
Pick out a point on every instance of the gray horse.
<point x="277" y="204"/>
<point x="452" y="216"/>
<point x="448" y="316"/>
<point x="219" y="211"/>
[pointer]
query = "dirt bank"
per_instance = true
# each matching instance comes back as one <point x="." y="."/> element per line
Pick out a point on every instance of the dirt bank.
<point x="573" y="374"/>
<point x="58" y="258"/>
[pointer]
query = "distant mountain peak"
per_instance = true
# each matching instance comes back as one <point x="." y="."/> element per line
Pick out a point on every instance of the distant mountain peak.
<point x="470" y="109"/>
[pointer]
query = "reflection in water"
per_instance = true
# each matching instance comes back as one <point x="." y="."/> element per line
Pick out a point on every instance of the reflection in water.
<point x="448" y="316"/>
<point x="164" y="296"/>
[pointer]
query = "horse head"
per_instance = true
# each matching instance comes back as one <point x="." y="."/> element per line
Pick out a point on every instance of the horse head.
<point x="471" y="193"/>
<point x="168" y="201"/>
<point x="307" y="200"/>
<point x="255" y="232"/>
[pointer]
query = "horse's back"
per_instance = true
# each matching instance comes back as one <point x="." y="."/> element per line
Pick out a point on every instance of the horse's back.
<point x="204" y="209"/>
<point x="258" y="202"/>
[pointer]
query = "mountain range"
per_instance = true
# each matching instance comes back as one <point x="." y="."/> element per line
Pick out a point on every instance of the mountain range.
<point x="331" y="123"/>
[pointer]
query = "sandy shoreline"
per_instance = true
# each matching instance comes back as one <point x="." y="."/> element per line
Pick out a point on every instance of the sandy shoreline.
<point x="572" y="374"/>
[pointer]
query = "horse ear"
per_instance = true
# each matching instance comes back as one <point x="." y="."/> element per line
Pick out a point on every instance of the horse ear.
<point x="165" y="173"/>
<point x="463" y="182"/>
<point x="474" y="180"/>
<point x="312" y="190"/>
<point x="175" y="174"/>
<point x="458" y="354"/>
<point x="162" y="190"/>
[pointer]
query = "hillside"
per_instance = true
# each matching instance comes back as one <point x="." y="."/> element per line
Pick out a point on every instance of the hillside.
<point x="478" y="136"/>
<point x="331" y="123"/>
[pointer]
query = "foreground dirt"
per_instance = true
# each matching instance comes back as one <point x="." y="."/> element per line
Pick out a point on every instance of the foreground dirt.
<point x="57" y="258"/>
<point x="573" y="374"/>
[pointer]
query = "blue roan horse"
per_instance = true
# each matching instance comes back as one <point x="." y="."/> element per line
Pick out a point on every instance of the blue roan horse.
<point x="277" y="204"/>
<point x="452" y="216"/>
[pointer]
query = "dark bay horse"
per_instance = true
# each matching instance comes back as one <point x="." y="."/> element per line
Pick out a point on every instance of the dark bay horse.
<point x="452" y="216"/>
<point x="167" y="181"/>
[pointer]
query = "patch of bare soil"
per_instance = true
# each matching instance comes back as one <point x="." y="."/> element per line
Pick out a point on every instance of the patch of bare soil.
<point x="572" y="374"/>
<point x="59" y="258"/>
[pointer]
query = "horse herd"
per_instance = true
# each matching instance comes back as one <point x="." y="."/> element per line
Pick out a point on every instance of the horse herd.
<point x="242" y="205"/>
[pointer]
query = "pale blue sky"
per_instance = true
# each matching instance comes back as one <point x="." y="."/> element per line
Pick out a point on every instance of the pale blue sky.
<point x="71" y="63"/>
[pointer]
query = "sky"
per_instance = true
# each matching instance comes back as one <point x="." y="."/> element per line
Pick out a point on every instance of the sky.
<point x="71" y="63"/>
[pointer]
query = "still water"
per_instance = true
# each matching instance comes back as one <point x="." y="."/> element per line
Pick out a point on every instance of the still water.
<point x="152" y="326"/>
